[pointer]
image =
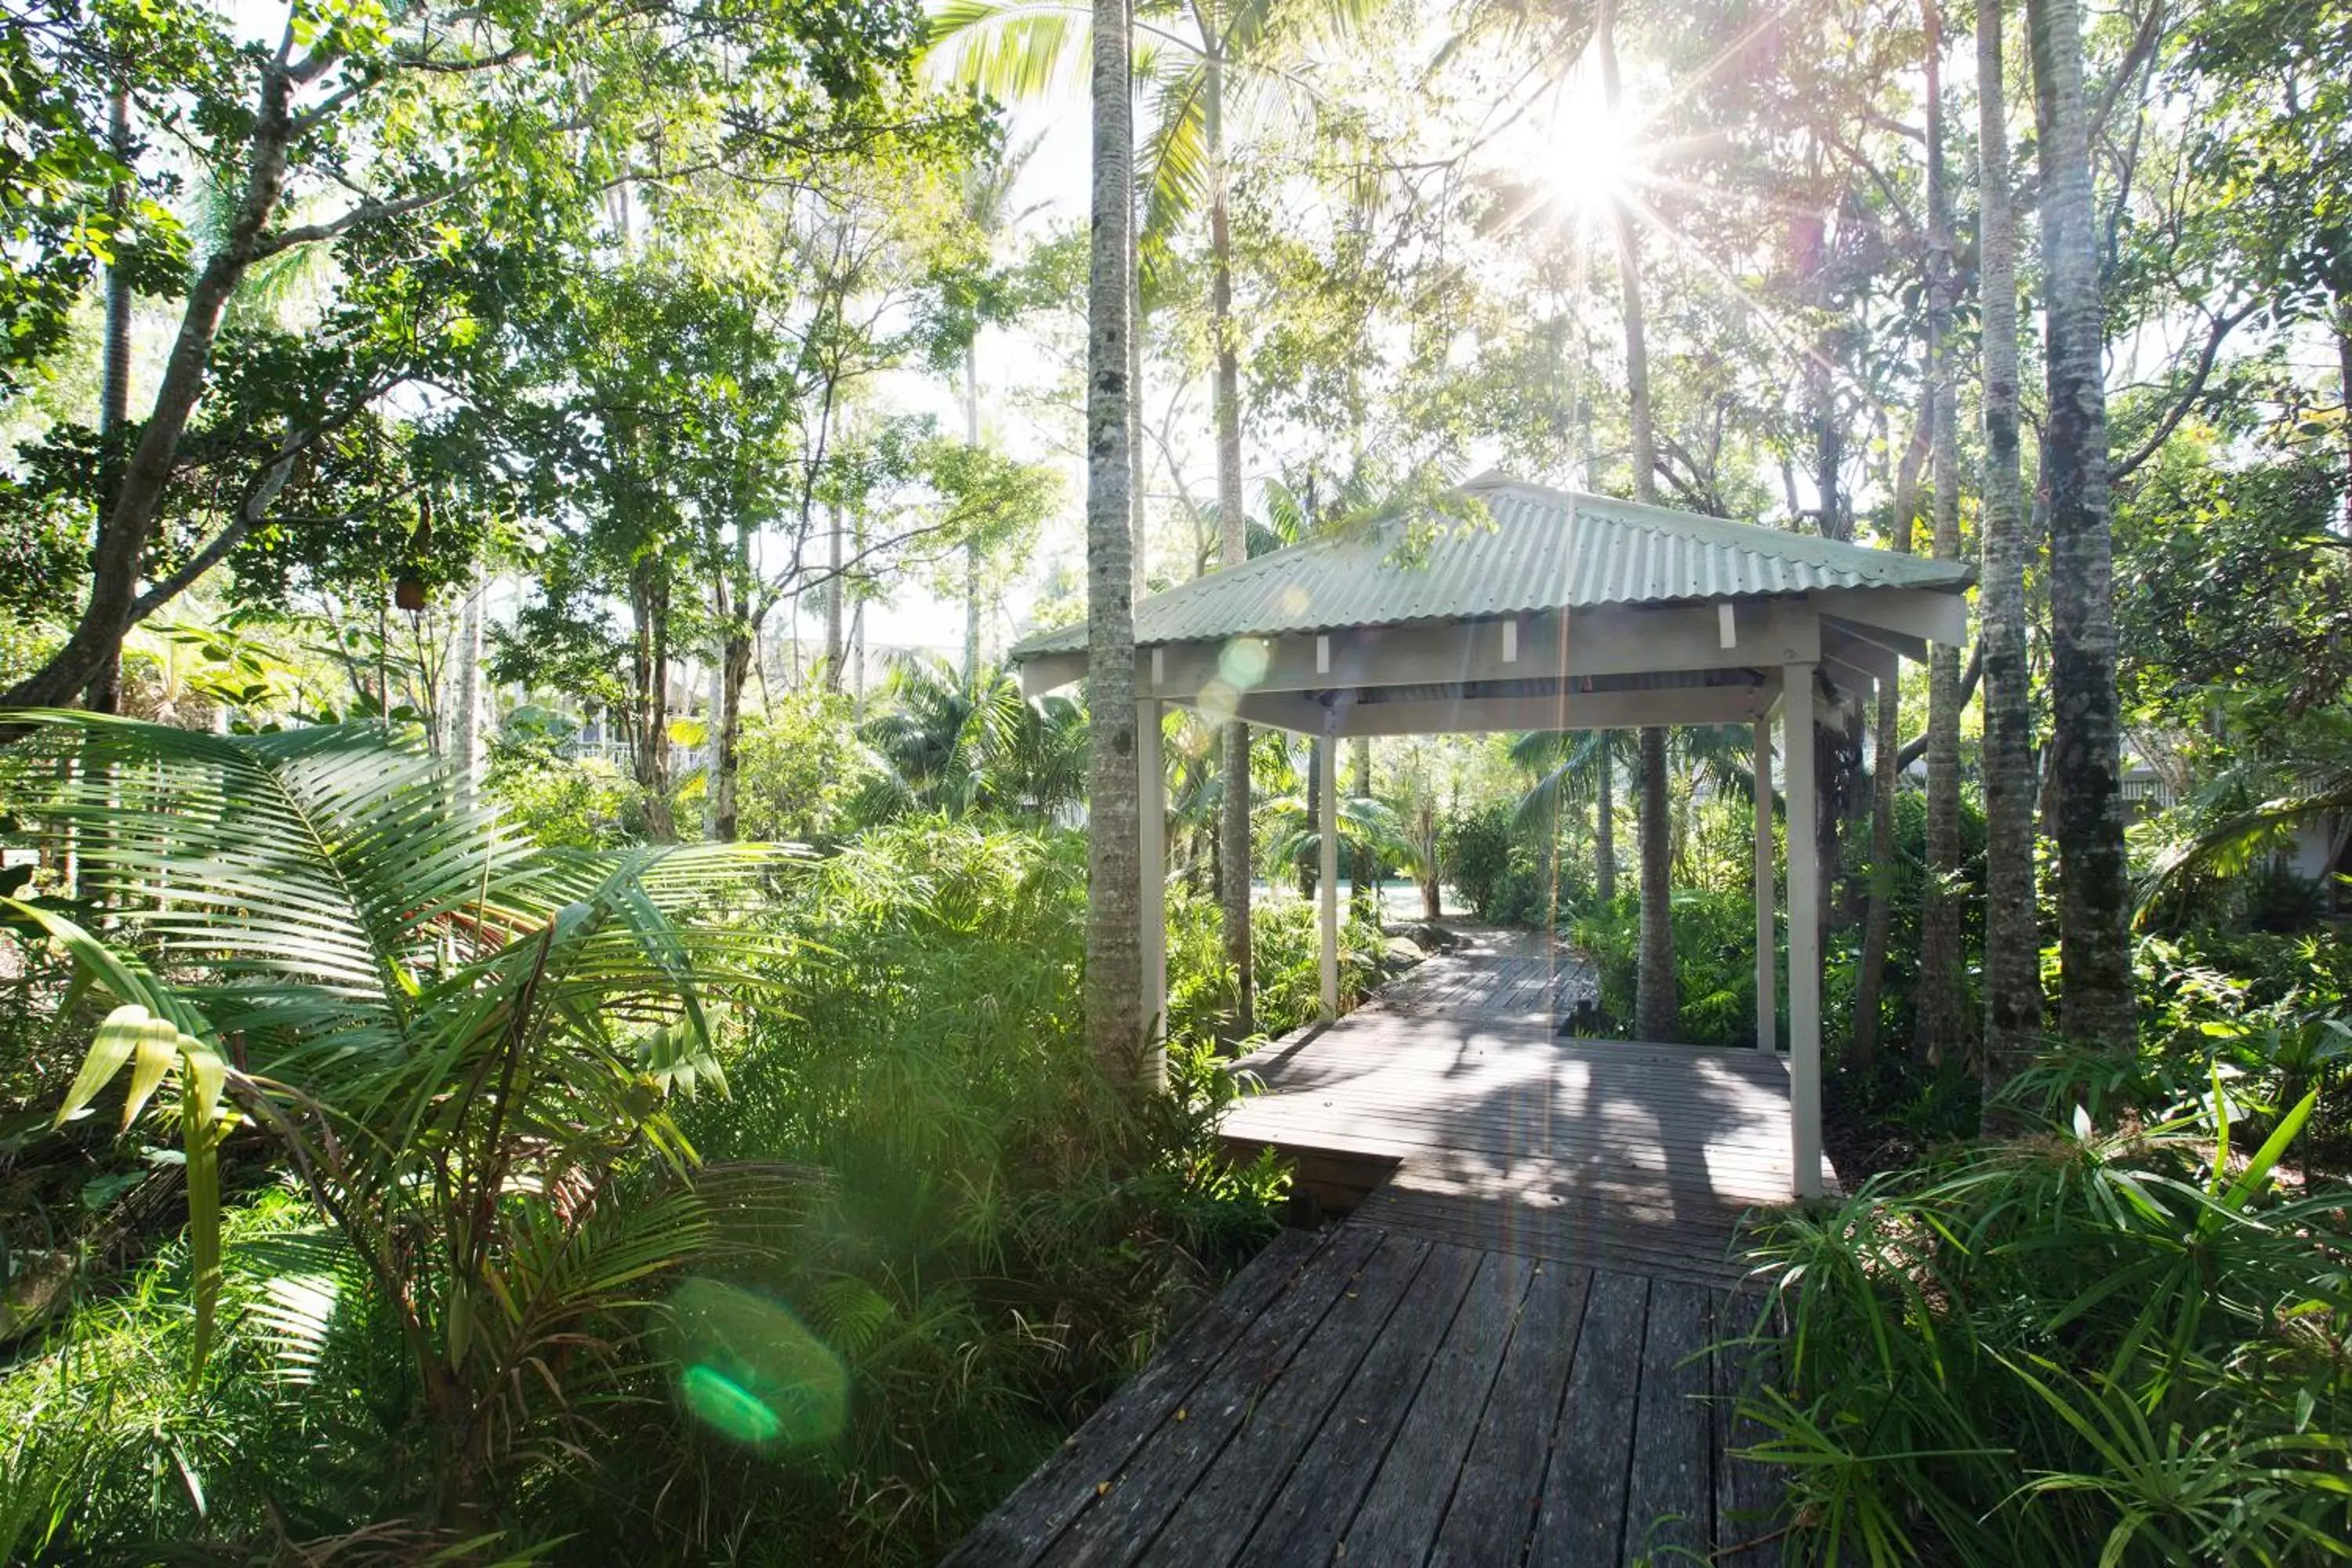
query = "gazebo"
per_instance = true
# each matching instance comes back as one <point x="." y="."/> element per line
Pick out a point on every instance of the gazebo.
<point x="1554" y="610"/>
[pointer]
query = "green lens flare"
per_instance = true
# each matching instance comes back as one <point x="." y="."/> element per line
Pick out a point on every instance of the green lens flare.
<point x="750" y="1371"/>
<point x="728" y="1406"/>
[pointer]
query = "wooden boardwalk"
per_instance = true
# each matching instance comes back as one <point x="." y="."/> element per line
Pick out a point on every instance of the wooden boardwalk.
<point x="1513" y="1349"/>
<point x="1506" y="1134"/>
<point x="1364" y="1396"/>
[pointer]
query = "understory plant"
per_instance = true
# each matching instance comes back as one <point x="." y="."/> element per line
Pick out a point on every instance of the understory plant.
<point x="460" y="1048"/>
<point x="2123" y="1342"/>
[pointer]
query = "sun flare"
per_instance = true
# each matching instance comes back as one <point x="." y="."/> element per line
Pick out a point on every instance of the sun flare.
<point x="1594" y="153"/>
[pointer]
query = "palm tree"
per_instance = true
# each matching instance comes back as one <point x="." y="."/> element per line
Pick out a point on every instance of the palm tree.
<point x="460" y="1043"/>
<point x="2096" y="1009"/>
<point x="1021" y="48"/>
<point x="1939" y="915"/>
<point x="2012" y="962"/>
<point x="956" y="748"/>
<point x="1656" y="1004"/>
<point x="1116" y="1021"/>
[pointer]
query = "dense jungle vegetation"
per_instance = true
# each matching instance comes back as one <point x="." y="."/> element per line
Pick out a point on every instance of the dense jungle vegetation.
<point x="562" y="1003"/>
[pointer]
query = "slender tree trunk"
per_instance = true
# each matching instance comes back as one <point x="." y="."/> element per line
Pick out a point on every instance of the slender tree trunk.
<point x="2341" y="320"/>
<point x="1114" y="979"/>
<point x="738" y="646"/>
<point x="1886" y="773"/>
<point x="1233" y="819"/>
<point x="1363" y="879"/>
<point x="1310" y="867"/>
<point x="972" y="607"/>
<point x="2096" y="1007"/>
<point x="103" y="694"/>
<point x="1657" y="1009"/>
<point x="1656" y="1006"/>
<point x="2012" y="960"/>
<point x="649" y="602"/>
<point x="1940" y="1031"/>
<point x="129" y="520"/>
<point x="1604" y="820"/>
<point x="1137" y="501"/>
<point x="835" y="626"/>
<point x="466" y="719"/>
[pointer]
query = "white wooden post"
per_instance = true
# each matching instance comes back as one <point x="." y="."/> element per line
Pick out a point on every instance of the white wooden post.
<point x="1154" y="907"/>
<point x="1327" y="881"/>
<point x="1804" y="930"/>
<point x="1767" y="959"/>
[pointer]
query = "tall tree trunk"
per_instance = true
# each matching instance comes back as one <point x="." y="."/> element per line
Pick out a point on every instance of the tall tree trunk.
<point x="649" y="721"/>
<point x="104" y="693"/>
<point x="1137" y="501"/>
<point x="972" y="607"/>
<point x="1655" y="1007"/>
<point x="835" y="627"/>
<point x="1310" y="867"/>
<point x="1363" y="869"/>
<point x="1114" y="979"/>
<point x="1887" y="772"/>
<point x="2013" y="959"/>
<point x="129" y="522"/>
<point x="466" y="717"/>
<point x="2096" y="1009"/>
<point x="1940" y="1032"/>
<point x="1604" y="820"/>
<point x="1234" y="817"/>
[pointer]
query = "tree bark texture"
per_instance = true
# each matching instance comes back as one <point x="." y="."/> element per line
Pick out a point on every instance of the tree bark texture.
<point x="1886" y="775"/>
<point x="1940" y="1032"/>
<point x="2096" y="1009"/>
<point x="649" y="674"/>
<point x="972" y="563"/>
<point x="129" y="520"/>
<point x="1655" y="1006"/>
<point x="103" y="694"/>
<point x="1234" y="817"/>
<point x="1114" y="979"/>
<point x="2012" y="957"/>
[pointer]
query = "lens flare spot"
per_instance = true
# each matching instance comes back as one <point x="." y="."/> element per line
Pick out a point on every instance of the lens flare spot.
<point x="750" y="1372"/>
<point x="1218" y="701"/>
<point x="1244" y="662"/>
<point x="1296" y="600"/>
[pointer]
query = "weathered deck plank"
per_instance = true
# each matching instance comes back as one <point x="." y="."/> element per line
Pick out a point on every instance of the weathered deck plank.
<point x="1320" y="1496"/>
<point x="1510" y="1352"/>
<point x="1399" y="1518"/>
<point x="1495" y="1504"/>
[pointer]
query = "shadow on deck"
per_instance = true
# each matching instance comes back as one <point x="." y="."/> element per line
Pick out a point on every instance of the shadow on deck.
<point x="1503" y="1356"/>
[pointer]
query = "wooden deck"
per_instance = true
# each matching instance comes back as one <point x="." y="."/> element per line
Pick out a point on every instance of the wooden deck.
<point x="1365" y="1396"/>
<point x="1504" y="1133"/>
<point x="1512" y="1351"/>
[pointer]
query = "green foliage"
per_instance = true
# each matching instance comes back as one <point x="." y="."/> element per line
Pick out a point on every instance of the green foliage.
<point x="462" y="1044"/>
<point x="1715" y="962"/>
<point x="2112" y="1344"/>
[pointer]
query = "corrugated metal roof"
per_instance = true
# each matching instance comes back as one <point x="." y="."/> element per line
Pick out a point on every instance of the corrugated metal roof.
<point x="1545" y="550"/>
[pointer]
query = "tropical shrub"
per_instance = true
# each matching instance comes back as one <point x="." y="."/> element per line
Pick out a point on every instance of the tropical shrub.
<point x="461" y="1046"/>
<point x="2120" y="1344"/>
<point x="1715" y="962"/>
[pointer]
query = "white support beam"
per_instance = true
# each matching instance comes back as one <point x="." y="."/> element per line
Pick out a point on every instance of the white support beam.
<point x="1593" y="642"/>
<point x="1153" y="780"/>
<point x="1576" y="710"/>
<point x="1915" y="612"/>
<point x="1768" y="964"/>
<point x="1804" y="933"/>
<point x="1851" y="679"/>
<point x="1298" y="715"/>
<point x="1045" y="672"/>
<point x="1327" y="879"/>
<point x="1882" y="662"/>
<point x="1586" y="642"/>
